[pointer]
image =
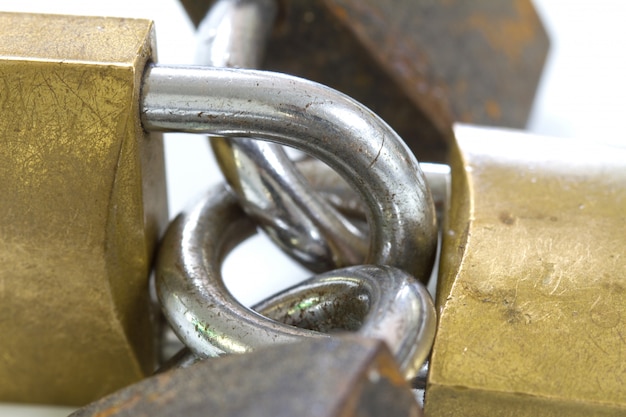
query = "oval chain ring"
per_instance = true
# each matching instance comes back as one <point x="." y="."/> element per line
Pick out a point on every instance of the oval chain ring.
<point x="317" y="114"/>
<point x="334" y="128"/>
<point x="403" y="230"/>
<point x="270" y="190"/>
<point x="381" y="302"/>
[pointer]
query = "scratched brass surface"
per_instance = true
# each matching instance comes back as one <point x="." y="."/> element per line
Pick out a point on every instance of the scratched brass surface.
<point x="532" y="291"/>
<point x="82" y="202"/>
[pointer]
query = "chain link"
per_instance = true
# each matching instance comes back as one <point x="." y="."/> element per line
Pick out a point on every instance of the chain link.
<point x="270" y="190"/>
<point x="389" y="189"/>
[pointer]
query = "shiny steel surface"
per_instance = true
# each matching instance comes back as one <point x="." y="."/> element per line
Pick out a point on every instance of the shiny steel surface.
<point x="387" y="302"/>
<point x="234" y="33"/>
<point x="319" y="121"/>
<point x="420" y="65"/>
<point x="334" y="189"/>
<point x="379" y="301"/>
<point x="269" y="188"/>
<point x="297" y="218"/>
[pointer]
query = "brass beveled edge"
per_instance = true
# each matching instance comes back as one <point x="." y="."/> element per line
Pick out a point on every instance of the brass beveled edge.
<point x="125" y="64"/>
<point x="616" y="406"/>
<point x="145" y="45"/>
<point x="457" y="157"/>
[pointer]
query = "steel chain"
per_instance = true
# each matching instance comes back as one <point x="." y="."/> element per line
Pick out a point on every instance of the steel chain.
<point x="300" y="220"/>
<point x="270" y="190"/>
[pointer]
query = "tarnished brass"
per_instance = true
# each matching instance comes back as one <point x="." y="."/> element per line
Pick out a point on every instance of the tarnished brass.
<point x="532" y="291"/>
<point x="82" y="201"/>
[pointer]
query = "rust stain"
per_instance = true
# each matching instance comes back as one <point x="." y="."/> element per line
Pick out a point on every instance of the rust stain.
<point x="492" y="108"/>
<point x="466" y="116"/>
<point x="461" y="86"/>
<point x="404" y="59"/>
<point x="115" y="409"/>
<point x="339" y="11"/>
<point x="388" y="369"/>
<point x="163" y="392"/>
<point x="508" y="35"/>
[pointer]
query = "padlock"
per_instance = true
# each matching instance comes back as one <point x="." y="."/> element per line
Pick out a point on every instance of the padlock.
<point x="85" y="198"/>
<point x="340" y="377"/>
<point x="464" y="410"/>
<point x="83" y="202"/>
<point x="420" y="65"/>
<point x="532" y="293"/>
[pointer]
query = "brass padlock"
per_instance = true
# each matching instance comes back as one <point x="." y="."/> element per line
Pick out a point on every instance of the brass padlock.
<point x="532" y="292"/>
<point x="82" y="203"/>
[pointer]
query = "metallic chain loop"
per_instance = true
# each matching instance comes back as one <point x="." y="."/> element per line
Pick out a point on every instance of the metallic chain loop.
<point x="320" y="121"/>
<point x="384" y="302"/>
<point x="269" y="188"/>
<point x="377" y="301"/>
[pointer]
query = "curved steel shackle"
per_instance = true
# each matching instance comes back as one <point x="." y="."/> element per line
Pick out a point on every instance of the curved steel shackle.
<point x="269" y="188"/>
<point x="377" y="301"/>
<point x="320" y="121"/>
<point x="389" y="303"/>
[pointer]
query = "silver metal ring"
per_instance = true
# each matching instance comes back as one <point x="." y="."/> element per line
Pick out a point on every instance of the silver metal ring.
<point x="336" y="191"/>
<point x="320" y="121"/>
<point x="211" y="322"/>
<point x="379" y="301"/>
<point x="269" y="188"/>
<point x="296" y="218"/>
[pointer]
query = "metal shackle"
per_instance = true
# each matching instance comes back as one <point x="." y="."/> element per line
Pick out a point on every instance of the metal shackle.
<point x="320" y="121"/>
<point x="269" y="188"/>
<point x="385" y="302"/>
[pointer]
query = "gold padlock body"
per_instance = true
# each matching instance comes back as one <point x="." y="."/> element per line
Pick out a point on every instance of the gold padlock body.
<point x="82" y="203"/>
<point x="532" y="284"/>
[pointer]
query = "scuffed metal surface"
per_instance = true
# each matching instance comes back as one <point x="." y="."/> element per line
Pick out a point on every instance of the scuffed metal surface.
<point x="344" y="376"/>
<point x="420" y="65"/>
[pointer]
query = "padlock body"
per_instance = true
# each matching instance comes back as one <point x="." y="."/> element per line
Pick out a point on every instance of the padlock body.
<point x="417" y="64"/>
<point x="532" y="288"/>
<point x="82" y="203"/>
<point x="331" y="377"/>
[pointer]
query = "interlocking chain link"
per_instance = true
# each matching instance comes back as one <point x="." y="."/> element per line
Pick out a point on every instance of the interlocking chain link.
<point x="382" y="302"/>
<point x="270" y="190"/>
<point x="335" y="129"/>
<point x="241" y="105"/>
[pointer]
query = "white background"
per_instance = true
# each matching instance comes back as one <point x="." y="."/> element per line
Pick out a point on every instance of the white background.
<point x="582" y="95"/>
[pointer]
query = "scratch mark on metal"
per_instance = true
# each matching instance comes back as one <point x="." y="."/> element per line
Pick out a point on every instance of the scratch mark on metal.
<point x="558" y="282"/>
<point x="598" y="346"/>
<point x="378" y="154"/>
